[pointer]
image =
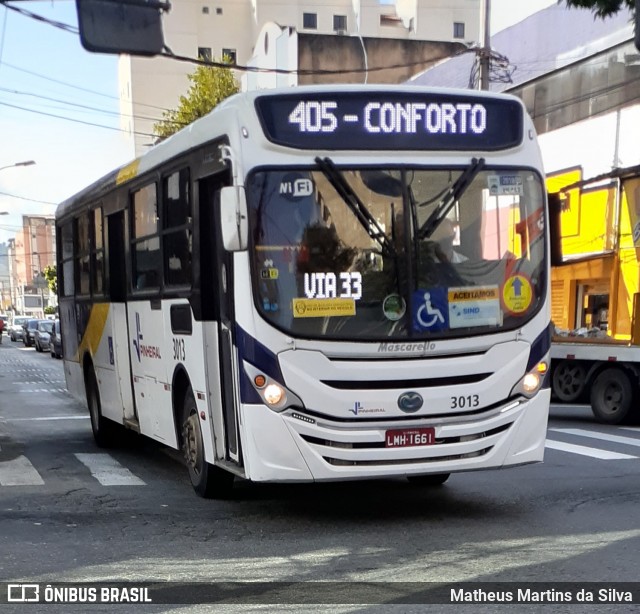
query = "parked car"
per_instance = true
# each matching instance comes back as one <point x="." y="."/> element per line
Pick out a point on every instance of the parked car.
<point x="5" y="322"/>
<point x="55" y="342"/>
<point x="16" y="330"/>
<point x="42" y="336"/>
<point x="29" y="331"/>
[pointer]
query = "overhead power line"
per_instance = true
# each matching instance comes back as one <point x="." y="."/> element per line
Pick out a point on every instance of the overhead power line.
<point x="181" y="58"/>
<point x="56" y="24"/>
<point x="80" y="106"/>
<point x="33" y="200"/>
<point x="77" y="87"/>
<point x="71" y="119"/>
<point x="309" y="72"/>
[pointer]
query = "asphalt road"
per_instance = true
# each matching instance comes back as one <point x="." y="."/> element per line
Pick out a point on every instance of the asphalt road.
<point x="70" y="512"/>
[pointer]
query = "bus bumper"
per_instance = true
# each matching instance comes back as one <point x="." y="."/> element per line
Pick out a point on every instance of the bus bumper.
<point x="286" y="448"/>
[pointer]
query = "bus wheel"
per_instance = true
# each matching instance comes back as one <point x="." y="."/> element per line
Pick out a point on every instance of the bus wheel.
<point x="105" y="431"/>
<point x="568" y="381"/>
<point x="612" y="396"/>
<point x="435" y="479"/>
<point x="208" y="481"/>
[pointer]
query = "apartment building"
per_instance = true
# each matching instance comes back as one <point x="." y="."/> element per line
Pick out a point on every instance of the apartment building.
<point x="29" y="253"/>
<point x="316" y="34"/>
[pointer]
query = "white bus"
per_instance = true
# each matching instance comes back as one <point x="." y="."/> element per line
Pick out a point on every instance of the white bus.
<point x="318" y="283"/>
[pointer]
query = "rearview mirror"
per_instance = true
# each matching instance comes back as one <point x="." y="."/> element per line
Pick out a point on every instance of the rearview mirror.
<point x="121" y="26"/>
<point x="233" y="218"/>
<point x="381" y="182"/>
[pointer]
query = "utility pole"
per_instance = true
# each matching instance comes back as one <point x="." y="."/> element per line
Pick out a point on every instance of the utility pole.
<point x="40" y="281"/>
<point x="485" y="51"/>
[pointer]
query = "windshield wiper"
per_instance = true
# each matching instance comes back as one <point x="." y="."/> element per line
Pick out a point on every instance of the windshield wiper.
<point x="357" y="207"/>
<point x="453" y="194"/>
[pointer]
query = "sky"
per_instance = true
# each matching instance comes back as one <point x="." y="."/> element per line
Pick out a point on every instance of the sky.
<point x="59" y="107"/>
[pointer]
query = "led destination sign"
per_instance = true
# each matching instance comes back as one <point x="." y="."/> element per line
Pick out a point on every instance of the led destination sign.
<point x="388" y="120"/>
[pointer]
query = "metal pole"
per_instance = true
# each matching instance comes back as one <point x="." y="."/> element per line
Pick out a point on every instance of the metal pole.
<point x="486" y="47"/>
<point x="25" y="163"/>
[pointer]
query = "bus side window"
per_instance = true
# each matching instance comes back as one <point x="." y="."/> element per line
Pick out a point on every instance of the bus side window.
<point x="177" y="228"/>
<point x="146" y="250"/>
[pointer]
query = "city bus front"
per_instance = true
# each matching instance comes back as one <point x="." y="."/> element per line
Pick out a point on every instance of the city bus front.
<point x="398" y="320"/>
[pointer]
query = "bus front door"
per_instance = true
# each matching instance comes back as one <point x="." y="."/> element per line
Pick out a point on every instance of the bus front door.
<point x="218" y="307"/>
<point x="117" y="292"/>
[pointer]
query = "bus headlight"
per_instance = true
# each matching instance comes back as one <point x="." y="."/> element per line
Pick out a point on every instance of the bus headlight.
<point x="531" y="383"/>
<point x="273" y="394"/>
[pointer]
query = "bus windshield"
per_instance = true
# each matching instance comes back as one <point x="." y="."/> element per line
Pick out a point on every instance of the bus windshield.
<point x="397" y="253"/>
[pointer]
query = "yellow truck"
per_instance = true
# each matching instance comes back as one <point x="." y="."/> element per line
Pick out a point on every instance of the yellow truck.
<point x="595" y="288"/>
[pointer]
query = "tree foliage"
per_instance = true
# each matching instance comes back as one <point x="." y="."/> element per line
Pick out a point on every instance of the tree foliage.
<point x="51" y="275"/>
<point x="602" y="8"/>
<point x="210" y="85"/>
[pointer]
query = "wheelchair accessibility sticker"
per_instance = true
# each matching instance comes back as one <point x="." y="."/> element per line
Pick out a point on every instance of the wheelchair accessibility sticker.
<point x="430" y="311"/>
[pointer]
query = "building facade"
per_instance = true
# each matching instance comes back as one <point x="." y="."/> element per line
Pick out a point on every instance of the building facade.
<point x="236" y="29"/>
<point x="31" y="251"/>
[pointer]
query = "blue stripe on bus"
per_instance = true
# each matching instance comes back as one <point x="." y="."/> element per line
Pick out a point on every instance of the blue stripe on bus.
<point x="261" y="358"/>
<point x="539" y="348"/>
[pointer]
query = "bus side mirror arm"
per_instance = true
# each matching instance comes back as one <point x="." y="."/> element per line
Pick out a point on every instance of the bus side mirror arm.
<point x="556" y="205"/>
<point x="234" y="218"/>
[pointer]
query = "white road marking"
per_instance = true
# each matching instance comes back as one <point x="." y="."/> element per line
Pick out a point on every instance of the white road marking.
<point x="19" y="472"/>
<point x="108" y="471"/>
<point x="45" y="418"/>
<point x="629" y="441"/>
<point x="585" y="451"/>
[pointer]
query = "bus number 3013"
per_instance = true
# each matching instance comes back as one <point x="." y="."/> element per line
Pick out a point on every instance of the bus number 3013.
<point x="178" y="349"/>
<point x="471" y="400"/>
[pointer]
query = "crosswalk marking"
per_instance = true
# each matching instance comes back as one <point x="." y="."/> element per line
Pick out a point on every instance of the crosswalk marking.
<point x="45" y="418"/>
<point x="586" y="451"/>
<point x="108" y="471"/>
<point x="19" y="472"/>
<point x="629" y="441"/>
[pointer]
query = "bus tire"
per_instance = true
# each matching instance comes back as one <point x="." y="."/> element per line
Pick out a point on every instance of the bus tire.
<point x="105" y="432"/>
<point x="568" y="381"/>
<point x="434" y="479"/>
<point x="612" y="396"/>
<point x="209" y="481"/>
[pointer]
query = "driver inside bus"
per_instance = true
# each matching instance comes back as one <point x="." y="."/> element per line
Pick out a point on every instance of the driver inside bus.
<point x="445" y="235"/>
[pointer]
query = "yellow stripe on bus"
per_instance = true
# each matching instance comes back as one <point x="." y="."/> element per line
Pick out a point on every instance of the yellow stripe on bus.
<point x="94" y="330"/>
<point x="127" y="172"/>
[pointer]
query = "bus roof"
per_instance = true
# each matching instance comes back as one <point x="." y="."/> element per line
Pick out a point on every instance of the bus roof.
<point x="203" y="129"/>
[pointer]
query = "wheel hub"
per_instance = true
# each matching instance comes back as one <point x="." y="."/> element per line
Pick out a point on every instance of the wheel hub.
<point x="191" y="443"/>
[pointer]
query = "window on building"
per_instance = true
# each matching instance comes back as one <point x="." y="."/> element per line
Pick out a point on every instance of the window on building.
<point x="204" y="53"/>
<point x="339" y="23"/>
<point x="205" y="10"/>
<point x="146" y="261"/>
<point x="178" y="228"/>
<point x="218" y="11"/>
<point x="229" y="55"/>
<point x="391" y="21"/>
<point x="310" y="21"/>
<point x="458" y="30"/>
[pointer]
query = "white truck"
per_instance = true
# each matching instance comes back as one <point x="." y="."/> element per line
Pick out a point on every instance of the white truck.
<point x="604" y="372"/>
